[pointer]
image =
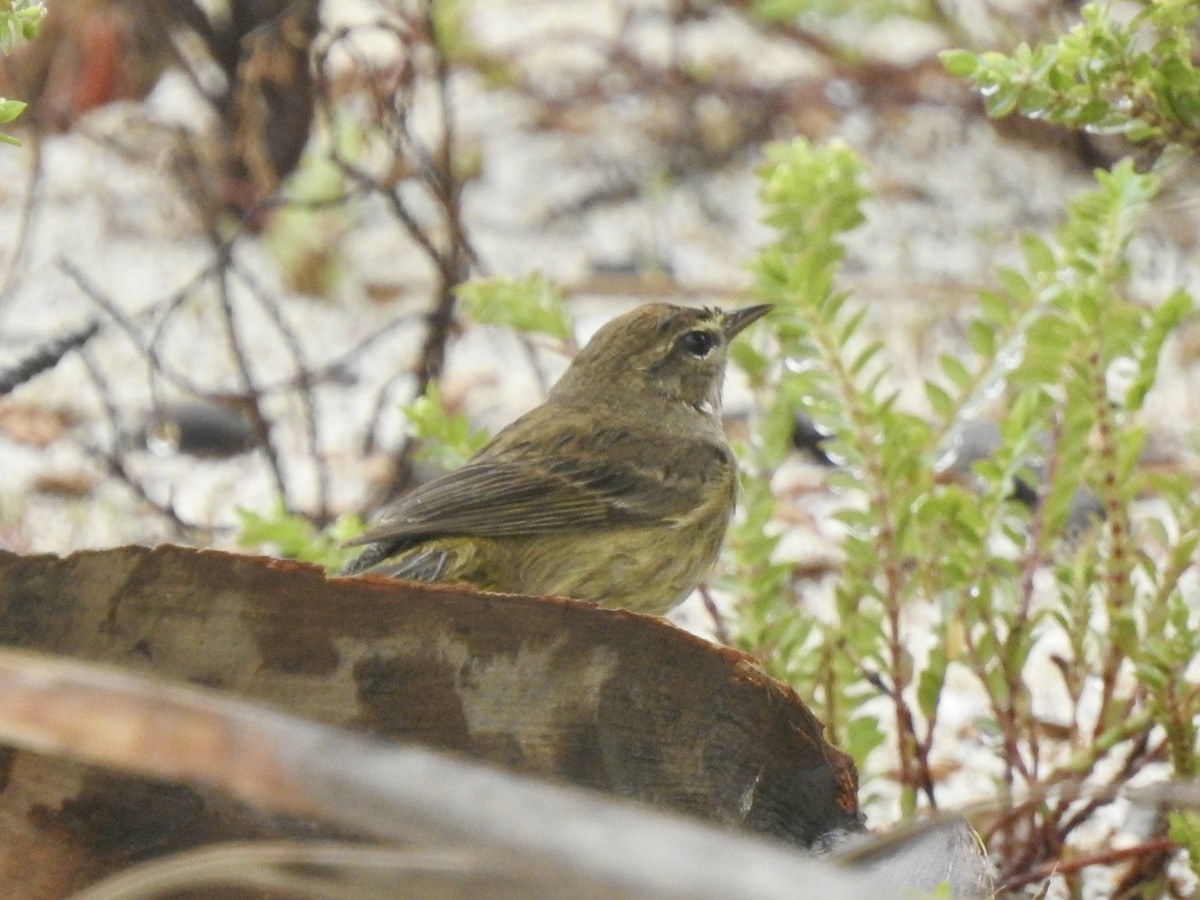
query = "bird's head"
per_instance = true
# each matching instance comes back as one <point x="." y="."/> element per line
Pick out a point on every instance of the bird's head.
<point x="658" y="355"/>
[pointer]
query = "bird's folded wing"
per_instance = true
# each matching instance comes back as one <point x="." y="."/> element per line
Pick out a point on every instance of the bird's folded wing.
<point x="492" y="497"/>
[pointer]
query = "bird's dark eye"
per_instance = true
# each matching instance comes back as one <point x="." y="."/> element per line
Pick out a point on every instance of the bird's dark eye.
<point x="698" y="343"/>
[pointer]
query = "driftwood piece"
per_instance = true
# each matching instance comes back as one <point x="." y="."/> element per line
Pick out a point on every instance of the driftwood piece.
<point x="466" y="829"/>
<point x="605" y="699"/>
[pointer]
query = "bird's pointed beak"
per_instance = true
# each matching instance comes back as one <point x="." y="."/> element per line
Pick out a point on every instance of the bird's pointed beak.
<point x="734" y="321"/>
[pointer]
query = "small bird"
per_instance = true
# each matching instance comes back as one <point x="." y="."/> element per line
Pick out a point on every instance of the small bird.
<point x="617" y="489"/>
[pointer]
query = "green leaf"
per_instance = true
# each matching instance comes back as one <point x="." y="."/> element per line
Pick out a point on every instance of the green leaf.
<point x="942" y="403"/>
<point x="931" y="681"/>
<point x="1038" y="256"/>
<point x="10" y="109"/>
<point x="862" y="736"/>
<point x="953" y="369"/>
<point x="447" y="438"/>
<point x="529" y="304"/>
<point x="960" y="63"/>
<point x="981" y="338"/>
<point x="293" y="537"/>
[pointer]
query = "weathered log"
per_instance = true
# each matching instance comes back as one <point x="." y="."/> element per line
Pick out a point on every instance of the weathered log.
<point x="605" y="699"/>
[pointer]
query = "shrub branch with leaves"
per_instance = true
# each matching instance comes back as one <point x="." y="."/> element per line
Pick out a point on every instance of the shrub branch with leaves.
<point x="940" y="575"/>
<point x="20" y="20"/>
<point x="1136" y="77"/>
<point x="936" y="575"/>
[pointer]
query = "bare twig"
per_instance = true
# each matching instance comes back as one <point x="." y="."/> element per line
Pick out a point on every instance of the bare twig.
<point x="28" y="217"/>
<point x="130" y="324"/>
<point x="719" y="626"/>
<point x="46" y="357"/>
<point x="234" y="341"/>
<point x="304" y="388"/>
<point x="1079" y="863"/>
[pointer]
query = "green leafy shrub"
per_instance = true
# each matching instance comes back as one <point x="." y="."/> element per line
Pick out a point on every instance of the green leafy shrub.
<point x="293" y="536"/>
<point x="938" y="574"/>
<point x="1136" y="76"/>
<point x="20" y="20"/>
<point x="531" y="305"/>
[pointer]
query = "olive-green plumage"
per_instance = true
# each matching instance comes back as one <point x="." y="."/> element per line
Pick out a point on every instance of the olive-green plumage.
<point x="617" y="489"/>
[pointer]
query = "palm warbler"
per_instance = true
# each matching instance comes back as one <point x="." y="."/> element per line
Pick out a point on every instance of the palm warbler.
<point x="617" y="489"/>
